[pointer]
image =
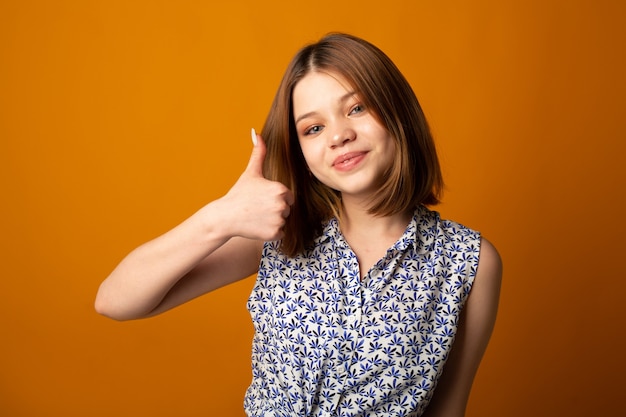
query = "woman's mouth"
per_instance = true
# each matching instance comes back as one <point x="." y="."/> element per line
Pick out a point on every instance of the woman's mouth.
<point x="348" y="160"/>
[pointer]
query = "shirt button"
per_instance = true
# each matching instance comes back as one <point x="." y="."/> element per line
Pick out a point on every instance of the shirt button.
<point x="351" y="319"/>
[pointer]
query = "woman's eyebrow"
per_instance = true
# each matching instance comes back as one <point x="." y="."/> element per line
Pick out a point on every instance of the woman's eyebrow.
<point x="342" y="100"/>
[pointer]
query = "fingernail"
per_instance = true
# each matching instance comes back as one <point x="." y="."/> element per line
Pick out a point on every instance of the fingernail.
<point x="254" y="139"/>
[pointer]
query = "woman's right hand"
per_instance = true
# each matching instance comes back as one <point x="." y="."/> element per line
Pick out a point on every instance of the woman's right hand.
<point x="258" y="207"/>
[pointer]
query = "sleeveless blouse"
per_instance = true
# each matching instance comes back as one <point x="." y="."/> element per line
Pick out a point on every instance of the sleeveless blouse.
<point x="328" y="343"/>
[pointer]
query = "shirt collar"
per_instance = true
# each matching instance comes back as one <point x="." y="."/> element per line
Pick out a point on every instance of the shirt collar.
<point x="412" y="236"/>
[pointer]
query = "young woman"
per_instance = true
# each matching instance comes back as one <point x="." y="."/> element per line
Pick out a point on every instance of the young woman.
<point x="366" y="302"/>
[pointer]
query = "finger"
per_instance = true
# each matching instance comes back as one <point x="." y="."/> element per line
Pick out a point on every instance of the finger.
<point x="255" y="164"/>
<point x="254" y="137"/>
<point x="286" y="212"/>
<point x="289" y="198"/>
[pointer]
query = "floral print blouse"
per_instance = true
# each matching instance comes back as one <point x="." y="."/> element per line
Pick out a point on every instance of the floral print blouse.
<point x="328" y="343"/>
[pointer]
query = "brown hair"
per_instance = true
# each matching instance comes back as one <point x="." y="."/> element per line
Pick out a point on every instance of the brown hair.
<point x="414" y="177"/>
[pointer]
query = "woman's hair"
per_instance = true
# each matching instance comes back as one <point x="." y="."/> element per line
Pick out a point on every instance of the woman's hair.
<point x="413" y="179"/>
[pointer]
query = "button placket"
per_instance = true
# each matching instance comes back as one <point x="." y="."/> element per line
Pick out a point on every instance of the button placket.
<point x="352" y="319"/>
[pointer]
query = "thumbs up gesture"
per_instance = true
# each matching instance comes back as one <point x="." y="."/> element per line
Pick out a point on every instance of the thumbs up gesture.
<point x="259" y="206"/>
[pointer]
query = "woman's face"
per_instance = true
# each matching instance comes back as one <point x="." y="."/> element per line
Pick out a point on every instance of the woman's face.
<point x="344" y="144"/>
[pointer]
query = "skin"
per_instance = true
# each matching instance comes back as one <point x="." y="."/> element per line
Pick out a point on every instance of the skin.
<point x="347" y="149"/>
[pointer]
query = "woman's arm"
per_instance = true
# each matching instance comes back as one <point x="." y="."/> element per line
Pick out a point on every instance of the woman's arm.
<point x="187" y="261"/>
<point x="219" y="244"/>
<point x="475" y="328"/>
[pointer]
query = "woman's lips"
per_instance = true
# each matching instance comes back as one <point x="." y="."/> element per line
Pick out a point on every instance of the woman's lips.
<point x="349" y="160"/>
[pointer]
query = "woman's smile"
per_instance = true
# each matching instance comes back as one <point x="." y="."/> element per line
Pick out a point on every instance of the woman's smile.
<point x="348" y="160"/>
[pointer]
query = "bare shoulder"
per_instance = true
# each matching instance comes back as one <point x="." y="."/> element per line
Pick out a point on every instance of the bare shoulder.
<point x="490" y="262"/>
<point x="482" y="305"/>
<point x="486" y="288"/>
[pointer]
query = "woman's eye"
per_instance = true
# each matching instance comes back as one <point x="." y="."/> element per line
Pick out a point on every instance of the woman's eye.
<point x="313" y="130"/>
<point x="357" y="109"/>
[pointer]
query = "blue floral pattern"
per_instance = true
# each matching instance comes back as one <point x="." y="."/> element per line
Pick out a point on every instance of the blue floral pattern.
<point x="327" y="343"/>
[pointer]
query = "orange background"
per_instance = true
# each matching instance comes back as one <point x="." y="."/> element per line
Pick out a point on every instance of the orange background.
<point x="119" y="119"/>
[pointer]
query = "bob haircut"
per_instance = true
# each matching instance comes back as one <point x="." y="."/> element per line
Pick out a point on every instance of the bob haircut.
<point x="414" y="177"/>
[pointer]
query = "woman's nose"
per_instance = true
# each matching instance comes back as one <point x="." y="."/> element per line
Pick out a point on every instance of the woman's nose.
<point x="341" y="136"/>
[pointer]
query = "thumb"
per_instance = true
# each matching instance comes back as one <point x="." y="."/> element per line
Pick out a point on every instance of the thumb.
<point x="255" y="164"/>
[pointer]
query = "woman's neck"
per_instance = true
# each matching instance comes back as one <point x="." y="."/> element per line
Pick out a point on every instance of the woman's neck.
<point x="355" y="216"/>
<point x="370" y="236"/>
